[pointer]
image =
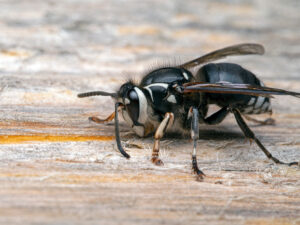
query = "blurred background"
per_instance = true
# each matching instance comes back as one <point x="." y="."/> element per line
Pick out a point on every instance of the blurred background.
<point x="106" y="37"/>
<point x="52" y="50"/>
<point x="109" y="41"/>
<point x="69" y="46"/>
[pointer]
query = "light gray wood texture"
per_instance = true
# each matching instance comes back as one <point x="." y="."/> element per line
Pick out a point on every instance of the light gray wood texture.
<point x="56" y="167"/>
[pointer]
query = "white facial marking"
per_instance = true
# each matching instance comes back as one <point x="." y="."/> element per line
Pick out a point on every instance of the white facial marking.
<point x="127" y="118"/>
<point x="127" y="101"/>
<point x="260" y="100"/>
<point x="252" y="100"/>
<point x="172" y="99"/>
<point x="185" y="75"/>
<point x="143" y="106"/>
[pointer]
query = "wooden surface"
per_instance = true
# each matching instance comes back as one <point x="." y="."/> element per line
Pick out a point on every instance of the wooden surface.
<point x="58" y="168"/>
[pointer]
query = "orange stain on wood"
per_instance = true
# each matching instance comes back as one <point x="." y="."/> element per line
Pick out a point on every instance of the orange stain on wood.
<point x="12" y="123"/>
<point x="14" y="53"/>
<point x="104" y="178"/>
<point x="15" y="139"/>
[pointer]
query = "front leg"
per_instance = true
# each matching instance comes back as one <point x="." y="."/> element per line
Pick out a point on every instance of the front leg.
<point x="101" y="121"/>
<point x="195" y="137"/>
<point x="160" y="131"/>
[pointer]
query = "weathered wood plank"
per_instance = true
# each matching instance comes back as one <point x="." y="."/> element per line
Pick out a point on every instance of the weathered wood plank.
<point x="56" y="167"/>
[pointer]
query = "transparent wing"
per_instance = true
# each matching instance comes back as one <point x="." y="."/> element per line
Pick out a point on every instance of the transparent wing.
<point x="230" y="88"/>
<point x="240" y="49"/>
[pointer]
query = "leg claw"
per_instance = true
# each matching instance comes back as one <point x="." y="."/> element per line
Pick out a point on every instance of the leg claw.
<point x="293" y="164"/>
<point x="199" y="177"/>
<point x="199" y="173"/>
<point x="269" y="121"/>
<point x="157" y="161"/>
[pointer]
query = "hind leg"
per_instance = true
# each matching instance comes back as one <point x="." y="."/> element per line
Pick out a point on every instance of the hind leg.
<point x="217" y="117"/>
<point x="249" y="134"/>
<point x="195" y="137"/>
<point x="268" y="121"/>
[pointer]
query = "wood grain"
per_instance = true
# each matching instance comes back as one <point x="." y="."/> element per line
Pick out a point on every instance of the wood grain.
<point x="56" y="167"/>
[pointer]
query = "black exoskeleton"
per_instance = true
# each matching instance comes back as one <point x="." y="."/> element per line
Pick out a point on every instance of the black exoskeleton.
<point x="172" y="98"/>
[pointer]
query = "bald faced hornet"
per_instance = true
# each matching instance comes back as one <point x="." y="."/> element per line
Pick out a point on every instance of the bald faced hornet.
<point x="173" y="98"/>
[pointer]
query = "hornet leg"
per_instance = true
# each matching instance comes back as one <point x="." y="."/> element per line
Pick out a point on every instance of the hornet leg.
<point x="268" y="121"/>
<point x="97" y="120"/>
<point x="217" y="117"/>
<point x="160" y="131"/>
<point x="249" y="134"/>
<point x="195" y="137"/>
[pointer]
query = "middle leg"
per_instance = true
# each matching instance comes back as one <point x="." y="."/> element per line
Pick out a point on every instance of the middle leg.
<point x="195" y="137"/>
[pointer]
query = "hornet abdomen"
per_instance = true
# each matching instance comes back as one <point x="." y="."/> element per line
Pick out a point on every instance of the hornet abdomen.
<point x="233" y="73"/>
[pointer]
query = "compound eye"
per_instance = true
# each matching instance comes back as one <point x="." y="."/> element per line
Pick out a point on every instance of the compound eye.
<point x="133" y="106"/>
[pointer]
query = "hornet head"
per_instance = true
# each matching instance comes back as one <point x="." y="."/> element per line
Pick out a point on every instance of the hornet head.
<point x="132" y="102"/>
<point x="135" y="107"/>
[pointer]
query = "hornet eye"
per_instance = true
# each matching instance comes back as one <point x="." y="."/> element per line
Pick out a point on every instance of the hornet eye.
<point x="133" y="106"/>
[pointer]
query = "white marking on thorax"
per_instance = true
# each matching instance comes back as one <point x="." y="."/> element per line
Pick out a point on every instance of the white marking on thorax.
<point x="150" y="92"/>
<point x="260" y="100"/>
<point x="148" y="88"/>
<point x="172" y="99"/>
<point x="164" y="85"/>
<point x="261" y="83"/>
<point x="185" y="75"/>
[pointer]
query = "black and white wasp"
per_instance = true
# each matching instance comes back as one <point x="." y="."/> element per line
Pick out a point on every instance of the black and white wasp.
<point x="172" y="98"/>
